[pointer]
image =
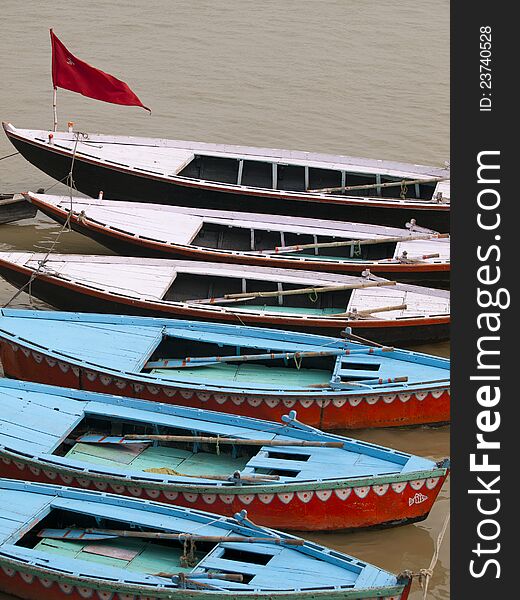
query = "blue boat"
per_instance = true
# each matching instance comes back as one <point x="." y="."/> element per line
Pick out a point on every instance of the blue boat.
<point x="288" y="475"/>
<point x="333" y="383"/>
<point x="58" y="542"/>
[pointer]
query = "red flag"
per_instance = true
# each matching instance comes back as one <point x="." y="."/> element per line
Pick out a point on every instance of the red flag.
<point x="73" y="74"/>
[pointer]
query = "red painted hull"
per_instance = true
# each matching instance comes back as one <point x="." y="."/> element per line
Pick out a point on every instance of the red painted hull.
<point x="326" y="411"/>
<point x="343" y="508"/>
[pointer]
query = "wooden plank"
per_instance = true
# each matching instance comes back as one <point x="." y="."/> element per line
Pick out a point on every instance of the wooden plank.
<point x="120" y="347"/>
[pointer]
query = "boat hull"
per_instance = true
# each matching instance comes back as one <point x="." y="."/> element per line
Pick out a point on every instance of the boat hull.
<point x="90" y="177"/>
<point x="67" y="295"/>
<point x="379" y="503"/>
<point x="432" y="274"/>
<point x="328" y="411"/>
<point x="14" y="209"/>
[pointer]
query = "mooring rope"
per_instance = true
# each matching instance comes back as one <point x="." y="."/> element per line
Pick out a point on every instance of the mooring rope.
<point x="424" y="575"/>
<point x="9" y="155"/>
<point x="65" y="227"/>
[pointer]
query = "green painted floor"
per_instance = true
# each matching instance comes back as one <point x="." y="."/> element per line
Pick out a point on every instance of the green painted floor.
<point x="143" y="556"/>
<point x="261" y="375"/>
<point x="141" y="457"/>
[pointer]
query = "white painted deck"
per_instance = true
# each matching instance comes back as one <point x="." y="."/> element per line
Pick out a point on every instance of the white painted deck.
<point x="121" y="277"/>
<point x="418" y="304"/>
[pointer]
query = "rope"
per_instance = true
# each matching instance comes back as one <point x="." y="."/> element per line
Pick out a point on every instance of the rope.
<point x="188" y="558"/>
<point x="64" y="227"/>
<point x="313" y="296"/>
<point x="424" y="575"/>
<point x="9" y="155"/>
<point x="404" y="189"/>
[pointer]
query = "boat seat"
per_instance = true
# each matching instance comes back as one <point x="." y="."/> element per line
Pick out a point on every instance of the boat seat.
<point x="287" y="568"/>
<point x="357" y="374"/>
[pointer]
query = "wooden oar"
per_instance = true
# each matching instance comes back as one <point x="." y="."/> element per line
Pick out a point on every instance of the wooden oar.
<point x="362" y="382"/>
<point x="368" y="311"/>
<point x="95" y="534"/>
<point x="347" y="333"/>
<point x="227" y="440"/>
<point x="370" y="186"/>
<point x="404" y="258"/>
<point x="237" y="476"/>
<point x="364" y="242"/>
<point x="238" y="577"/>
<point x="229" y="298"/>
<point x="203" y="361"/>
<point x="143" y="438"/>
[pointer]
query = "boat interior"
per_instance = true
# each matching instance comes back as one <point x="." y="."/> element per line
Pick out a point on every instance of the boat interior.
<point x="222" y="236"/>
<point x="298" y="178"/>
<point x="256" y="565"/>
<point x="212" y="288"/>
<point x="139" y="555"/>
<point x="97" y="440"/>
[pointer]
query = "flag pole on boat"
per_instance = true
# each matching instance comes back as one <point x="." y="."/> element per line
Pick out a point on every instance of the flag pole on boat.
<point x="54" y="108"/>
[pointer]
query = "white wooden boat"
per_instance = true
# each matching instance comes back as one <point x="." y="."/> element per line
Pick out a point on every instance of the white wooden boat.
<point x="139" y="229"/>
<point x="281" y="298"/>
<point x="241" y="178"/>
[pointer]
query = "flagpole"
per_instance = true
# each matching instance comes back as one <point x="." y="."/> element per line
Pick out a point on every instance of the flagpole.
<point x="54" y="109"/>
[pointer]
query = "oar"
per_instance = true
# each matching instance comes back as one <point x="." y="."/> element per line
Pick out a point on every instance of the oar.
<point x="203" y="361"/>
<point x="361" y="382"/>
<point x="143" y="438"/>
<point x="347" y="333"/>
<point x="238" y="577"/>
<point x="229" y="298"/>
<point x="370" y="186"/>
<point x="95" y="534"/>
<point x="404" y="258"/>
<point x="363" y="242"/>
<point x="226" y="440"/>
<point x="368" y="311"/>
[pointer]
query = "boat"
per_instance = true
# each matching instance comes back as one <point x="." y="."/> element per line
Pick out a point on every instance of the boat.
<point x="287" y="299"/>
<point x="141" y="229"/>
<point x="333" y="383"/>
<point x="288" y="475"/>
<point x="15" y="207"/>
<point x="227" y="177"/>
<point x="59" y="542"/>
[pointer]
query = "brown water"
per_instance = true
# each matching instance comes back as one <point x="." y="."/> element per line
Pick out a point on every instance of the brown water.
<point x="345" y="76"/>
